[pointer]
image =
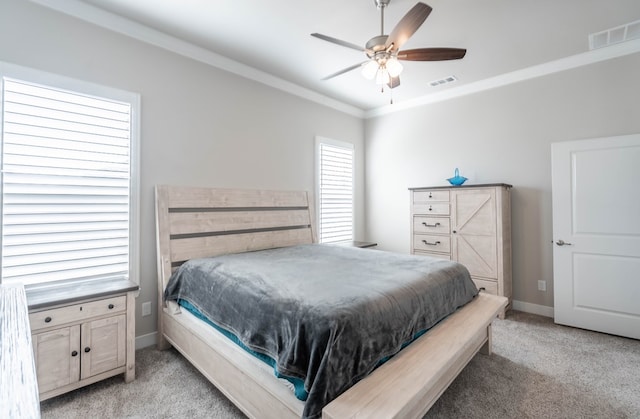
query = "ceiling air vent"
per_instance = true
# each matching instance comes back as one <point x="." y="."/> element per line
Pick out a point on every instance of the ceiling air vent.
<point x="615" y="35"/>
<point x="448" y="79"/>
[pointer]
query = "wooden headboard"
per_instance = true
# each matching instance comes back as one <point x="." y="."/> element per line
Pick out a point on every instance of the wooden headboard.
<point x="201" y="222"/>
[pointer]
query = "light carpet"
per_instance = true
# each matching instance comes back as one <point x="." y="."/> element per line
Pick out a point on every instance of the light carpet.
<point x="538" y="370"/>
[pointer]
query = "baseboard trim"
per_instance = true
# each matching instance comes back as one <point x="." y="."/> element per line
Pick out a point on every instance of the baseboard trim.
<point x="146" y="340"/>
<point x="538" y="309"/>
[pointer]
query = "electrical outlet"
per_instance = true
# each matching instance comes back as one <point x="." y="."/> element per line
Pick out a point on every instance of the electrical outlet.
<point x="542" y="285"/>
<point x="146" y="309"/>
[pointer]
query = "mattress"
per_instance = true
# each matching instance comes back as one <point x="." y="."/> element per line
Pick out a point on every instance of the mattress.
<point x="325" y="315"/>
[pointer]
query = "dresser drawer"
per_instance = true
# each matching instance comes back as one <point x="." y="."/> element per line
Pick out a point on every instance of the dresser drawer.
<point x="437" y="208"/>
<point x="490" y="287"/>
<point x="446" y="256"/>
<point x="431" y="225"/>
<point x="76" y="312"/>
<point x="431" y="243"/>
<point x="420" y="197"/>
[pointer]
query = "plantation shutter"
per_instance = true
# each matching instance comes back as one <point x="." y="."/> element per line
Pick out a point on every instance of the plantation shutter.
<point x="65" y="185"/>
<point x="336" y="193"/>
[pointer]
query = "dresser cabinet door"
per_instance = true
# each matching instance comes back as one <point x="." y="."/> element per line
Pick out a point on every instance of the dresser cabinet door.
<point x="103" y="345"/>
<point x="474" y="227"/>
<point x="57" y="357"/>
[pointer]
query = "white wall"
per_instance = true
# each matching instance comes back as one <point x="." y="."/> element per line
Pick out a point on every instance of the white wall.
<point x="199" y="125"/>
<point x="501" y="135"/>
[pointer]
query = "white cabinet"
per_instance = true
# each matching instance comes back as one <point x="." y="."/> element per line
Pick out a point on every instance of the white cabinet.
<point x="469" y="224"/>
<point x="83" y="342"/>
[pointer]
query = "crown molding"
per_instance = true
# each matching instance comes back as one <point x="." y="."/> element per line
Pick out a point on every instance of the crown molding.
<point x="119" y="24"/>
<point x="145" y="34"/>
<point x="567" y="63"/>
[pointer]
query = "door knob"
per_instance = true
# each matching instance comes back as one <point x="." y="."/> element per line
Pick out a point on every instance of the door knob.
<point x="563" y="243"/>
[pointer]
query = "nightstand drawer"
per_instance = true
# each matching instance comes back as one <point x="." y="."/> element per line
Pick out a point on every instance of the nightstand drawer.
<point x="431" y="225"/>
<point x="76" y="312"/>
<point x="431" y="243"/>
<point x="420" y="197"/>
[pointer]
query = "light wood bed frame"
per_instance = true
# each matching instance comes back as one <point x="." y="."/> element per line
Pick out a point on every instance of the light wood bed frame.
<point x="200" y="222"/>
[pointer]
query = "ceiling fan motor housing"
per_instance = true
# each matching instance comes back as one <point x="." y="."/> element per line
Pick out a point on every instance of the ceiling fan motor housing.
<point x="375" y="44"/>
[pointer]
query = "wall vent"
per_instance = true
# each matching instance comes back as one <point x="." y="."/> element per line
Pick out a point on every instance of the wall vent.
<point x="448" y="79"/>
<point x="615" y="35"/>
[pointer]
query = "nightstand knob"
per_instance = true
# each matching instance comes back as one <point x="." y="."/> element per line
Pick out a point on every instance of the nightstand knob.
<point x="454" y="232"/>
<point x="430" y="208"/>
<point x="111" y="306"/>
<point x="87" y="349"/>
<point x="430" y="196"/>
<point x="47" y="320"/>
<point x="74" y="353"/>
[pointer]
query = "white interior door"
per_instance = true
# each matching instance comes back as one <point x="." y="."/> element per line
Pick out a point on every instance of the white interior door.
<point x="596" y="232"/>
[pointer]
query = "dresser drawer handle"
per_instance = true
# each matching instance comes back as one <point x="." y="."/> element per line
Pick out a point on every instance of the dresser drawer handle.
<point x="430" y="208"/>
<point x="74" y="353"/>
<point x="111" y="306"/>
<point x="431" y="225"/>
<point x="482" y="289"/>
<point x="430" y="196"/>
<point x="87" y="349"/>
<point x="431" y="244"/>
<point x="47" y="319"/>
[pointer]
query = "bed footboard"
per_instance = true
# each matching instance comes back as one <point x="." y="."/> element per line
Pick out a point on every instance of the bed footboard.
<point x="408" y="384"/>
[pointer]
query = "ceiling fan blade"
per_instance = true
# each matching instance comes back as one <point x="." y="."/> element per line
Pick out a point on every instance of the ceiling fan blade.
<point x="432" y="54"/>
<point x="337" y="41"/>
<point x="344" y="70"/>
<point x="394" y="82"/>
<point x="407" y="26"/>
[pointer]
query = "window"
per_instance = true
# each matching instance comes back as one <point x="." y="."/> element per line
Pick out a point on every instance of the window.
<point x="335" y="190"/>
<point x="69" y="190"/>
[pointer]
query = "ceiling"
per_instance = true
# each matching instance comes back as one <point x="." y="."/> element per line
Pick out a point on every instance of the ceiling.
<point x="500" y="36"/>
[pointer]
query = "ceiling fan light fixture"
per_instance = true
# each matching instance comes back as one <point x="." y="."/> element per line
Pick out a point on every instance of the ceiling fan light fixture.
<point x="394" y="67"/>
<point x="382" y="76"/>
<point x="369" y="70"/>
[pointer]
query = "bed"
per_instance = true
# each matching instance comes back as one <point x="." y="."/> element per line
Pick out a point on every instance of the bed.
<point x="195" y="223"/>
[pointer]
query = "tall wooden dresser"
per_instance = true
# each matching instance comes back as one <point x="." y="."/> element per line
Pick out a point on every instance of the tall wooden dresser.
<point x="470" y="224"/>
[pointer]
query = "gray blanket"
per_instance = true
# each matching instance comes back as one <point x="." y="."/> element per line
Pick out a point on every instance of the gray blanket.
<point x="326" y="314"/>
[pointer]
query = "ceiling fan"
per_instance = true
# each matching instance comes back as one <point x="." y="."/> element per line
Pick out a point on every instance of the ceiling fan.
<point x="383" y="51"/>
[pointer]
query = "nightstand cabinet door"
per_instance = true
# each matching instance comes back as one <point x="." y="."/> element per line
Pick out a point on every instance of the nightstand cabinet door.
<point x="103" y="345"/>
<point x="57" y="357"/>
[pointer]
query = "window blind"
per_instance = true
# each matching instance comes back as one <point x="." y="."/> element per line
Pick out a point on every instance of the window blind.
<point x="335" y="193"/>
<point x="65" y="185"/>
